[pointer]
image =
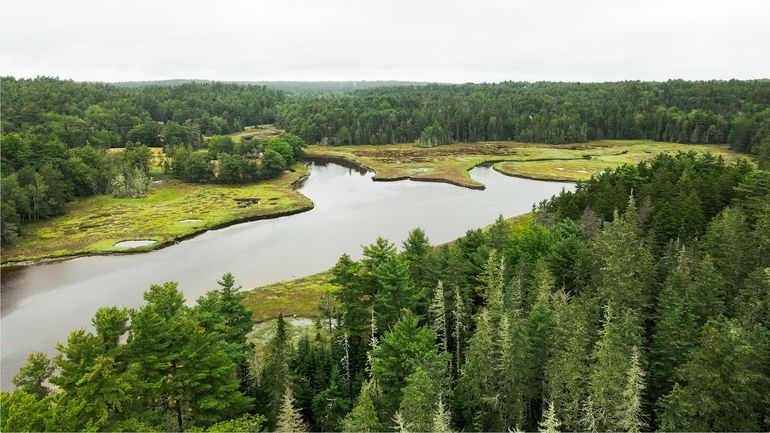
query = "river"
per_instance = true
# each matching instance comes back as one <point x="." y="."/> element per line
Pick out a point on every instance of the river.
<point x="41" y="304"/>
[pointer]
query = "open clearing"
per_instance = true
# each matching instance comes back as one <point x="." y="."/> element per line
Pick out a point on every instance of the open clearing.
<point x="95" y="224"/>
<point x="450" y="163"/>
<point x="292" y="298"/>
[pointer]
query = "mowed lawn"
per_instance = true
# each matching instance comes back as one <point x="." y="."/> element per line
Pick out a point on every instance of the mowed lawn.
<point x="95" y="224"/>
<point x="450" y="163"/>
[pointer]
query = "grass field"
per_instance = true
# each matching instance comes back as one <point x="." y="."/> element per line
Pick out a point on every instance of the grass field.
<point x="93" y="225"/>
<point x="450" y="163"/>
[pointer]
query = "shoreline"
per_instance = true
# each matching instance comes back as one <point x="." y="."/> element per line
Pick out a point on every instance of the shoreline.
<point x="491" y="163"/>
<point x="14" y="265"/>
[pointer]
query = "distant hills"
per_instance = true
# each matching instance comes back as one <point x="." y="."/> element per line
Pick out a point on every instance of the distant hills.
<point x="298" y="87"/>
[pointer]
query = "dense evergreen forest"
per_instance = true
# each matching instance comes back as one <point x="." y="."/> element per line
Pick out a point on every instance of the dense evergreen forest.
<point x="291" y="87"/>
<point x="734" y="112"/>
<point x="640" y="301"/>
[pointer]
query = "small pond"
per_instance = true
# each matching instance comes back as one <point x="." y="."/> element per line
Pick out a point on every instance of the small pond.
<point x="134" y="244"/>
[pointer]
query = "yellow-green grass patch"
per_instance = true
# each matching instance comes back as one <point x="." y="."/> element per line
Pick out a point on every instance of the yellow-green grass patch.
<point x="93" y="225"/>
<point x="291" y="298"/>
<point x="450" y="163"/>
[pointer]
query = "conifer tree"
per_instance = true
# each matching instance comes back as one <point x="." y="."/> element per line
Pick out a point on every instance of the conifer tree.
<point x="624" y="265"/>
<point x="401" y="425"/>
<point x="611" y="356"/>
<point x="722" y="386"/>
<point x="418" y="254"/>
<point x="588" y="416"/>
<point x="363" y="417"/>
<point x="353" y="296"/>
<point x="420" y="396"/>
<point x="476" y="391"/>
<point x="274" y="378"/>
<point x="459" y="319"/>
<point x="442" y="419"/>
<point x="567" y="369"/>
<point x="32" y="376"/>
<point x="631" y="416"/>
<point x="401" y="350"/>
<point x="438" y="317"/>
<point x="706" y="292"/>
<point x="396" y="292"/>
<point x="514" y="369"/>
<point x="676" y="330"/>
<point x="550" y="423"/>
<point x="289" y="419"/>
<point x="727" y="241"/>
<point x="539" y="329"/>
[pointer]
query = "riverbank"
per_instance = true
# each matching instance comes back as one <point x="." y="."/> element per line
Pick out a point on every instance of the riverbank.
<point x="174" y="211"/>
<point x="450" y="163"/>
<point x="300" y="297"/>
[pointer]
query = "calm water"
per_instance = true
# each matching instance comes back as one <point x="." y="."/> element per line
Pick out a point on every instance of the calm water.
<point x="42" y="304"/>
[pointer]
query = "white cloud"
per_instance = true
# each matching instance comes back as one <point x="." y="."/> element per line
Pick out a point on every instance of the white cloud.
<point x="449" y="40"/>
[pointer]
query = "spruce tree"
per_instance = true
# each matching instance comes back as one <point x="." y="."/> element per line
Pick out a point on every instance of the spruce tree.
<point x="612" y="356"/>
<point x="722" y="386"/>
<point x="438" y="316"/>
<point x="514" y="369"/>
<point x="631" y="417"/>
<point x="274" y="377"/>
<point x="624" y="268"/>
<point x="289" y="419"/>
<point x="418" y="254"/>
<point x="567" y="370"/>
<point x="675" y="332"/>
<point x="727" y="241"/>
<point x="363" y="417"/>
<point x="550" y="423"/>
<point x="459" y="325"/>
<point x="420" y="395"/>
<point x="442" y="419"/>
<point x="476" y="392"/>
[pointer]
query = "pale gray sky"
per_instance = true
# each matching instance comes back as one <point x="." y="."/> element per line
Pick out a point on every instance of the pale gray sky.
<point x="441" y="40"/>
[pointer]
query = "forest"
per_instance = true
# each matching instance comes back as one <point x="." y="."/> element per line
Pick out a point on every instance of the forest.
<point x="640" y="301"/>
<point x="57" y="134"/>
<point x="717" y="112"/>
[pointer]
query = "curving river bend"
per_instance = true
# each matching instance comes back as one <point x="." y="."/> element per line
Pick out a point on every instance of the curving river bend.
<point x="41" y="304"/>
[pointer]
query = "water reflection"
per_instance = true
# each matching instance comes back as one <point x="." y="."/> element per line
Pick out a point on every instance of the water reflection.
<point x="42" y="304"/>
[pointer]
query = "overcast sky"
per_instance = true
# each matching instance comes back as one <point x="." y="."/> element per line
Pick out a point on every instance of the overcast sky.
<point x="444" y="41"/>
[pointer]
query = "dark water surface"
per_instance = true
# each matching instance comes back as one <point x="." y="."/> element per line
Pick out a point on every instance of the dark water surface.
<point x="41" y="304"/>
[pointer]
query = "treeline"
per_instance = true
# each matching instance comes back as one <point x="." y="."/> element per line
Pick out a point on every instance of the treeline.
<point x="56" y="135"/>
<point x="734" y="112"/>
<point x="614" y="311"/>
